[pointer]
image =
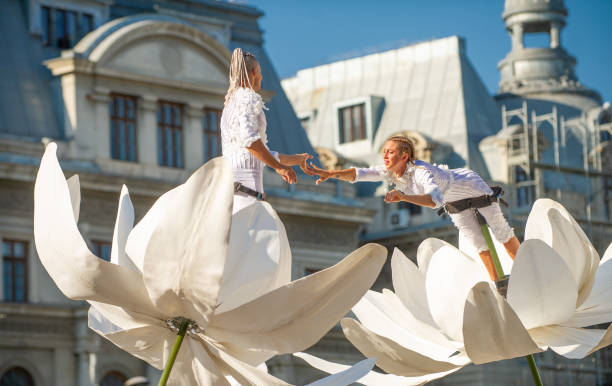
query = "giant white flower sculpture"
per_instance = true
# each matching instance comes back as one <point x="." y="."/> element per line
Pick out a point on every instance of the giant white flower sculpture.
<point x="173" y="269"/>
<point x="446" y="313"/>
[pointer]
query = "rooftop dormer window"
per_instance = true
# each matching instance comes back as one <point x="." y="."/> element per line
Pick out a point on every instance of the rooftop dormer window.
<point x="352" y="122"/>
<point x="62" y="28"/>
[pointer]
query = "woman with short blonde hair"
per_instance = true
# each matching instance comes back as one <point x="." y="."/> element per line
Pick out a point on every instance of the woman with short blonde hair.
<point x="421" y="183"/>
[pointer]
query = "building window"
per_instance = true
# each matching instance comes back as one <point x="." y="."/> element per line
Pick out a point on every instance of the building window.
<point x="14" y="265"/>
<point x="352" y="123"/>
<point x="211" y="124"/>
<point x="63" y="28"/>
<point x="102" y="249"/>
<point x="113" y="378"/>
<point x="170" y="135"/>
<point x="16" y="376"/>
<point x="123" y="127"/>
<point x="413" y="209"/>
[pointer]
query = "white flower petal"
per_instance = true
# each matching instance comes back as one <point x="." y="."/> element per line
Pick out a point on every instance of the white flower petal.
<point x="391" y="357"/>
<point x="491" y="329"/>
<point x="239" y="371"/>
<point x="371" y="378"/>
<point x="542" y="289"/>
<point x="196" y="366"/>
<point x="78" y="273"/>
<point x="341" y="374"/>
<point x="551" y="223"/>
<point x="151" y="343"/>
<point x="385" y="315"/>
<point x="295" y="316"/>
<point x="450" y="276"/>
<point x="186" y="253"/>
<point x="105" y="318"/>
<point x="409" y="285"/>
<point x="140" y="235"/>
<point x="607" y="255"/>
<point x="426" y="250"/>
<point x="74" y="187"/>
<point x="258" y="257"/>
<point x="573" y="343"/>
<point x="123" y="226"/>
<point x="597" y="308"/>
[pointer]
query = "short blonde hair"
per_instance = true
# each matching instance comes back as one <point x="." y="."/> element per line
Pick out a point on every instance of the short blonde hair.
<point x="405" y="144"/>
<point x="241" y="66"/>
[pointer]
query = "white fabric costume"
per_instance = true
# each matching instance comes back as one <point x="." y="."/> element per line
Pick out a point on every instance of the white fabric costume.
<point x="259" y="258"/>
<point x="446" y="185"/>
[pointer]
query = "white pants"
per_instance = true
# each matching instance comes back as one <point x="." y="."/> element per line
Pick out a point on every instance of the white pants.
<point x="467" y="223"/>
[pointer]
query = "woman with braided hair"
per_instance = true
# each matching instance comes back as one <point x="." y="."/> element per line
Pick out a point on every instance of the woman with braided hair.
<point x="423" y="184"/>
<point x="259" y="258"/>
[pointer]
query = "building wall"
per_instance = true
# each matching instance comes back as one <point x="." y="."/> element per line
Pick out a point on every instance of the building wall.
<point x="172" y="54"/>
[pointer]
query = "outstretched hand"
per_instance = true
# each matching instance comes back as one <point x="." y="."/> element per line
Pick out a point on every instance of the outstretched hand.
<point x="321" y="173"/>
<point x="304" y="163"/>
<point x="287" y="173"/>
<point x="394" y="196"/>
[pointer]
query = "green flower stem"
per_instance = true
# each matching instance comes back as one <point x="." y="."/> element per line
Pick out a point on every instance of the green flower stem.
<point x="534" y="370"/>
<point x="499" y="271"/>
<point x="175" y="349"/>
<point x="496" y="264"/>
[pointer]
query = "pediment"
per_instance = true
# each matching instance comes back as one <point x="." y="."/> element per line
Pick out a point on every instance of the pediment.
<point x="167" y="58"/>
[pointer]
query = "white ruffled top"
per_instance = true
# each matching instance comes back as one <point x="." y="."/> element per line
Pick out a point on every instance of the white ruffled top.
<point x="420" y="177"/>
<point x="243" y="122"/>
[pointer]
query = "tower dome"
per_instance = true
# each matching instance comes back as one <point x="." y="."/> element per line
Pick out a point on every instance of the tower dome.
<point x="540" y="69"/>
<point x="535" y="6"/>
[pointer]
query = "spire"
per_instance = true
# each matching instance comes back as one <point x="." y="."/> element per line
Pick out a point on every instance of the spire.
<point x="545" y="68"/>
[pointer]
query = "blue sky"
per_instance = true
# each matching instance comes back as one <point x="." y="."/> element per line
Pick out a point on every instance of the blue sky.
<point x="301" y="34"/>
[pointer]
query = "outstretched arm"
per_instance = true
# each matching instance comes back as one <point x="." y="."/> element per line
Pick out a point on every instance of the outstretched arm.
<point x="344" y="174"/>
<point x="417" y="199"/>
<point x="295" y="160"/>
<point x="259" y="150"/>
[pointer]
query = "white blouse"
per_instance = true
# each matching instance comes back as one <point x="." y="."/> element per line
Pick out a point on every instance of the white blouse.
<point x="442" y="184"/>
<point x="243" y="122"/>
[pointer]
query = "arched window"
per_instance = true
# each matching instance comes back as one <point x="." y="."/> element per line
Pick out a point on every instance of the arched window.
<point x="113" y="378"/>
<point x="16" y="376"/>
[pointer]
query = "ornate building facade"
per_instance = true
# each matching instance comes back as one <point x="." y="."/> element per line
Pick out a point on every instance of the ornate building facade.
<point x="132" y="91"/>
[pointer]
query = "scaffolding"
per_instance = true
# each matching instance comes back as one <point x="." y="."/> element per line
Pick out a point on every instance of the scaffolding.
<point x="527" y="144"/>
<point x="527" y="174"/>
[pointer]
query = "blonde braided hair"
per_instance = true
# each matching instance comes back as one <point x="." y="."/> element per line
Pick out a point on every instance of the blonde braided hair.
<point x="241" y="66"/>
<point x="406" y="146"/>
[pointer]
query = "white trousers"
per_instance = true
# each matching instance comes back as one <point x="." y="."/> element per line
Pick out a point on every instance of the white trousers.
<point x="467" y="223"/>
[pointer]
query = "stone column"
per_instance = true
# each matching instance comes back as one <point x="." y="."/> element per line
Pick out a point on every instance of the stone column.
<point x="147" y="130"/>
<point x="101" y="100"/>
<point x="517" y="37"/>
<point x="87" y="345"/>
<point x="555" y="32"/>
<point x="63" y="366"/>
<point x="192" y="130"/>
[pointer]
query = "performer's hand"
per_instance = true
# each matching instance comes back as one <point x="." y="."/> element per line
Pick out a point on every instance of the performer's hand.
<point x="321" y="173"/>
<point x="394" y="196"/>
<point x="304" y="163"/>
<point x="287" y="173"/>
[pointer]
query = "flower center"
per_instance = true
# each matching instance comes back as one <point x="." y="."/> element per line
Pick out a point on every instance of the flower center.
<point x="174" y="324"/>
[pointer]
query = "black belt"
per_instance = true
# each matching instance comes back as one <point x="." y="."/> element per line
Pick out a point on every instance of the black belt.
<point x="238" y="187"/>
<point x="474" y="202"/>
